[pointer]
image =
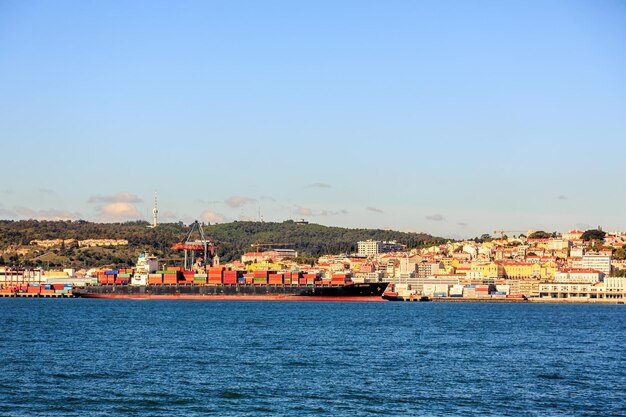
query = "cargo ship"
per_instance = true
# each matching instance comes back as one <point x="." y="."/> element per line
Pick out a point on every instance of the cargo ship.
<point x="220" y="283"/>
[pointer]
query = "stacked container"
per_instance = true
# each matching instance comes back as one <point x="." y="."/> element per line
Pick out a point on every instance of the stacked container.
<point x="216" y="274"/>
<point x="155" y="279"/>
<point x="339" y="279"/>
<point x="309" y="279"/>
<point x="200" y="279"/>
<point x="33" y="288"/>
<point x="186" y="277"/>
<point x="482" y="291"/>
<point x="469" y="291"/>
<point x="261" y="277"/>
<point x="231" y="277"/>
<point x="170" y="276"/>
<point x="276" y="279"/>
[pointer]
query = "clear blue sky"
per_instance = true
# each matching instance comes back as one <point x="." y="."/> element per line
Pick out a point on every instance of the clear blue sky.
<point x="450" y="117"/>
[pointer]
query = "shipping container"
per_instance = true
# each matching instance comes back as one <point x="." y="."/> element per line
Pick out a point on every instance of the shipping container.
<point x="230" y="280"/>
<point x="157" y="279"/>
<point x="111" y="272"/>
<point x="170" y="279"/>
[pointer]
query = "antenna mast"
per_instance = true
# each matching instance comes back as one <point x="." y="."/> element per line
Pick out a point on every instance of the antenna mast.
<point x="155" y="211"/>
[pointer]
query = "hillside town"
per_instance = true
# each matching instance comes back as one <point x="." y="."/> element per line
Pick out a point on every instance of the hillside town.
<point x="583" y="266"/>
<point x="538" y="265"/>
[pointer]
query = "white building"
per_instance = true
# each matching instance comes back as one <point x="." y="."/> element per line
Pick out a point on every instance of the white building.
<point x="370" y="247"/>
<point x="581" y="276"/>
<point x="612" y="288"/>
<point x="373" y="247"/>
<point x="428" y="269"/>
<point x="615" y="287"/>
<point x="600" y="263"/>
<point x="557" y="244"/>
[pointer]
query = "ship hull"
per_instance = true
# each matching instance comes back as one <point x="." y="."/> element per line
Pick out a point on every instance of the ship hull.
<point x="353" y="292"/>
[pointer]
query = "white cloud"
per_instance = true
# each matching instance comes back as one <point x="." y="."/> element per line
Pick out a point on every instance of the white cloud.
<point x="119" y="211"/>
<point x="319" y="185"/>
<point x="117" y="207"/>
<point x="208" y="216"/>
<point x="238" y="201"/>
<point x="303" y="211"/>
<point x="49" y="214"/>
<point x="435" y="217"/>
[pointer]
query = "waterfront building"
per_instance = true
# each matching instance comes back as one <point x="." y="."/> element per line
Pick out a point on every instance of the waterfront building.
<point x="581" y="276"/>
<point x="615" y="287"/>
<point x="612" y="288"/>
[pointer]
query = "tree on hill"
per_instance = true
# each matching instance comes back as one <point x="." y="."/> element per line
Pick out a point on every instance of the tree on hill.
<point x="540" y="234"/>
<point x="593" y="234"/>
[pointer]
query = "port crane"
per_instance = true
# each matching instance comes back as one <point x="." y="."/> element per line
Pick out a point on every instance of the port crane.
<point x="190" y="247"/>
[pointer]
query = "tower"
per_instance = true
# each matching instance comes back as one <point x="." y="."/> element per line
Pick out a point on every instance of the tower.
<point x="155" y="211"/>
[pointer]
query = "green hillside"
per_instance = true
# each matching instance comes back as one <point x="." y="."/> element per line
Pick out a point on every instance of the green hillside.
<point x="231" y="239"/>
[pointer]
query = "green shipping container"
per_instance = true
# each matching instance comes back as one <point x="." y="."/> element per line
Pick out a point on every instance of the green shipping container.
<point x="166" y="272"/>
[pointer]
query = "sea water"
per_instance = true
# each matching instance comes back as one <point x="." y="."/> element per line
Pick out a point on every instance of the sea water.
<point x="81" y="357"/>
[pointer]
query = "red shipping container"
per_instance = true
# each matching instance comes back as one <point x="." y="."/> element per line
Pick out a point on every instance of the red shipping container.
<point x="215" y="280"/>
<point x="155" y="280"/>
<point x="302" y="281"/>
<point x="33" y="290"/>
<point x="276" y="280"/>
<point x="230" y="280"/>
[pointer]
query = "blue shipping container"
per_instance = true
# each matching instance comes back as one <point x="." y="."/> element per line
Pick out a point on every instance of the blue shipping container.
<point x="111" y="272"/>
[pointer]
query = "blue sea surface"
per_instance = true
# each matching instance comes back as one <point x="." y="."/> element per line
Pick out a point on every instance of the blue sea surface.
<point x="80" y="357"/>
